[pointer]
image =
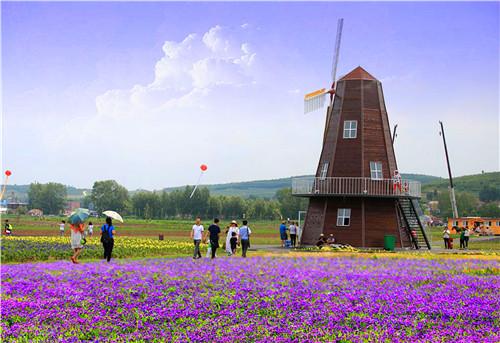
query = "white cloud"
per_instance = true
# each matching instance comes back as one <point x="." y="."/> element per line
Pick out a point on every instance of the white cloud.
<point x="188" y="70"/>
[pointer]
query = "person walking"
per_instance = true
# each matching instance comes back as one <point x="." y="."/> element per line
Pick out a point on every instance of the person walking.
<point x="107" y="238"/>
<point x="245" y="233"/>
<point x="293" y="233"/>
<point x="90" y="229"/>
<point x="466" y="238"/>
<point x="446" y="238"/>
<point x="232" y="229"/>
<point x="462" y="239"/>
<point x="214" y="234"/>
<point x="76" y="241"/>
<point x="283" y="235"/>
<point x="196" y="236"/>
<point x="61" y="228"/>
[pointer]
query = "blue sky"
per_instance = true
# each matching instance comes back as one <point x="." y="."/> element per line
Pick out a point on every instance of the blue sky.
<point x="92" y="90"/>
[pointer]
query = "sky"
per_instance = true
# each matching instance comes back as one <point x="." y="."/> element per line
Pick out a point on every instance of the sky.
<point x="144" y="93"/>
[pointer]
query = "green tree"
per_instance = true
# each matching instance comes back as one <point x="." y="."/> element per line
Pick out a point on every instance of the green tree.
<point x="290" y="205"/>
<point x="488" y="193"/>
<point x="467" y="204"/>
<point x="49" y="197"/>
<point x="490" y="209"/>
<point x="109" y="195"/>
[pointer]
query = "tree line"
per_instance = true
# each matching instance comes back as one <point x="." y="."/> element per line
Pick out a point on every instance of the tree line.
<point x="109" y="194"/>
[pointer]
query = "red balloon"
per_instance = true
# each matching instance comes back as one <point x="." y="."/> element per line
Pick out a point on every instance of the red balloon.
<point x="8" y="173"/>
<point x="203" y="167"/>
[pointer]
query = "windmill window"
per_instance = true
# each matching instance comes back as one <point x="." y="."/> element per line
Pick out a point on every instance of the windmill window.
<point x="343" y="217"/>
<point x="376" y="170"/>
<point x="324" y="170"/>
<point x="350" y="128"/>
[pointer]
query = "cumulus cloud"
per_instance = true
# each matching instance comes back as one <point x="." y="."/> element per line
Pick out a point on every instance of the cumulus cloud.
<point x="189" y="69"/>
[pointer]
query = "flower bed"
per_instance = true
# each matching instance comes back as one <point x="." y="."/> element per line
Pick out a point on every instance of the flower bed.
<point x="258" y="299"/>
<point x="23" y="248"/>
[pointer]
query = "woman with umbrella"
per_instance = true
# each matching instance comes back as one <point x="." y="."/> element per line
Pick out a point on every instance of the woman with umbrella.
<point x="108" y="232"/>
<point x="76" y="220"/>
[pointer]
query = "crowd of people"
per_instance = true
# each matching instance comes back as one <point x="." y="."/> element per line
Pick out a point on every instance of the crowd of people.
<point x="464" y="237"/>
<point x="295" y="234"/>
<point x="235" y="236"/>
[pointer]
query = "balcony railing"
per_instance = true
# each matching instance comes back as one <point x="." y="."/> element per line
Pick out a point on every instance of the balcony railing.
<point x="355" y="186"/>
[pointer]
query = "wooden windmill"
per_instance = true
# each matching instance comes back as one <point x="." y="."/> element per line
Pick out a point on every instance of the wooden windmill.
<point x="357" y="193"/>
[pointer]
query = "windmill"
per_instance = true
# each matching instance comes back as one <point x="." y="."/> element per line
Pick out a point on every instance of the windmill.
<point x="316" y="100"/>
<point x="357" y="194"/>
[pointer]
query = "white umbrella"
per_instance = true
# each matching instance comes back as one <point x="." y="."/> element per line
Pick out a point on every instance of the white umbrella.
<point x="114" y="215"/>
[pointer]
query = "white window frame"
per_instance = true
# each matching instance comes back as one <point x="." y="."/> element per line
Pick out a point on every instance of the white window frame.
<point x="342" y="215"/>
<point x="464" y="223"/>
<point x="455" y="223"/>
<point x="379" y="175"/>
<point x="498" y="223"/>
<point x="324" y="171"/>
<point x="350" y="130"/>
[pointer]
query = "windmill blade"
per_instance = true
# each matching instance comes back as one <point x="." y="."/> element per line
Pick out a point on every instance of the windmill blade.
<point x="315" y="100"/>
<point x="340" y="24"/>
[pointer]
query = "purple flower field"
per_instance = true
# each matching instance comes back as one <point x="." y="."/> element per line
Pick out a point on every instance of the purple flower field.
<point x="259" y="299"/>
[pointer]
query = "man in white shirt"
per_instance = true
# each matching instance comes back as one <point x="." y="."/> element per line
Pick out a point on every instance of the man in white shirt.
<point x="196" y="236"/>
<point x="61" y="228"/>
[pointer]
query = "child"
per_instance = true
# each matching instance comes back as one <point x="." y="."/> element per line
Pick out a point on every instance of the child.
<point x="90" y="229"/>
<point x="61" y="228"/>
<point x="209" y="249"/>
<point x="233" y="242"/>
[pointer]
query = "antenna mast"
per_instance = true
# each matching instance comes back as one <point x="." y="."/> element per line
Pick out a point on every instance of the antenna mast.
<point x="452" y="190"/>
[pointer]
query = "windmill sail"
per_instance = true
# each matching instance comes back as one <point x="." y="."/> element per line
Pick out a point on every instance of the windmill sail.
<point x="315" y="100"/>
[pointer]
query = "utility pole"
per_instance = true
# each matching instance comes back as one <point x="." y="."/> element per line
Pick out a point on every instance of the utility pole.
<point x="452" y="190"/>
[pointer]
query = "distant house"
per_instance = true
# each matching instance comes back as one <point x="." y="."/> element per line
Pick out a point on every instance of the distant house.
<point x="35" y="212"/>
<point x="71" y="206"/>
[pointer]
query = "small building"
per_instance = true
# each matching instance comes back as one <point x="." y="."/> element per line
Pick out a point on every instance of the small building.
<point x="36" y="212"/>
<point x="485" y="226"/>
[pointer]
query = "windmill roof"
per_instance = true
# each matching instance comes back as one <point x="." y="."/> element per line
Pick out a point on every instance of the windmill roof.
<point x="358" y="73"/>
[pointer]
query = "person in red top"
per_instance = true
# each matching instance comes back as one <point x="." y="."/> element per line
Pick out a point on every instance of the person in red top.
<point x="76" y="240"/>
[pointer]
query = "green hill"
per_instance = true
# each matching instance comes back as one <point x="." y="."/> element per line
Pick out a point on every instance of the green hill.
<point x="267" y="188"/>
<point x="469" y="183"/>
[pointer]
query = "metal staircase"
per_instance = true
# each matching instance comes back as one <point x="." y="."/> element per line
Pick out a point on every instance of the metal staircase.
<point x="415" y="232"/>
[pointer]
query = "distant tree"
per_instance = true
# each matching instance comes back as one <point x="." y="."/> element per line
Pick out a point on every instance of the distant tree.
<point x="490" y="209"/>
<point x="488" y="193"/>
<point x="109" y="195"/>
<point x="35" y="192"/>
<point x="467" y="204"/>
<point x="290" y="205"/>
<point x="49" y="197"/>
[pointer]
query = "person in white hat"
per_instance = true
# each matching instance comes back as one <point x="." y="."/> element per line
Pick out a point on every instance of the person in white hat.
<point x="232" y="228"/>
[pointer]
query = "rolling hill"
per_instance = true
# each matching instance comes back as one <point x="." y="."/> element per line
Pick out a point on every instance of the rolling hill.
<point x="267" y="188"/>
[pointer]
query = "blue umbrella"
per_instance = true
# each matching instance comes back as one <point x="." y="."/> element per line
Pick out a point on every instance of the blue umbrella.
<point x="78" y="216"/>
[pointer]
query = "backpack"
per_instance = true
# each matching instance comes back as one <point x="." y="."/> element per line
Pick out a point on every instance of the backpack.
<point x="105" y="237"/>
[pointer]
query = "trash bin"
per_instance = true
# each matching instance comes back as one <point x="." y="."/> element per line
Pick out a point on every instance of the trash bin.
<point x="160" y="237"/>
<point x="389" y="242"/>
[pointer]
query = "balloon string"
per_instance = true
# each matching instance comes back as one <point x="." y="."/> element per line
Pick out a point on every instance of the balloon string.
<point x="195" y="187"/>
<point x="4" y="187"/>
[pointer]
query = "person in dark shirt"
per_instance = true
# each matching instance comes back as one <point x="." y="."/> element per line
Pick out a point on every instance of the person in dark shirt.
<point x="214" y="233"/>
